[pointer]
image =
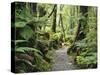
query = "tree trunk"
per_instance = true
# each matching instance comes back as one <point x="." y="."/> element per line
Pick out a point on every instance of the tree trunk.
<point x="62" y="26"/>
<point x="80" y="29"/>
<point x="54" y="19"/>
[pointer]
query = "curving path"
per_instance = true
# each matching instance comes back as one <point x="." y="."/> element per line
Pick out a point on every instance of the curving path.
<point x="62" y="61"/>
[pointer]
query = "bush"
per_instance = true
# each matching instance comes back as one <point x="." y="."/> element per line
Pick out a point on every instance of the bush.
<point x="86" y="60"/>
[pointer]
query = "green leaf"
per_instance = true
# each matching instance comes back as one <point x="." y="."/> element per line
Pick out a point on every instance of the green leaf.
<point x="26" y="32"/>
<point x="20" y="41"/>
<point x="24" y="49"/>
<point x="20" y="24"/>
<point x="27" y="63"/>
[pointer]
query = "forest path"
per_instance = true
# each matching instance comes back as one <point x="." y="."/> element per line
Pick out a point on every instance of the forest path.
<point x="62" y="61"/>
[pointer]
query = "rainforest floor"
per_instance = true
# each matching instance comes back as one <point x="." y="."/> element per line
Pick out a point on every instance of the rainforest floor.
<point x="62" y="61"/>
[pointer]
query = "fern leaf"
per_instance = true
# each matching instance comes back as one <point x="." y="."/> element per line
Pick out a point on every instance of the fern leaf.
<point x="24" y="49"/>
<point x="20" y="24"/>
<point x="26" y="32"/>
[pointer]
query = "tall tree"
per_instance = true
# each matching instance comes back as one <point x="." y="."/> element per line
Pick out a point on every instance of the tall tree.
<point x="80" y="34"/>
<point x="54" y="19"/>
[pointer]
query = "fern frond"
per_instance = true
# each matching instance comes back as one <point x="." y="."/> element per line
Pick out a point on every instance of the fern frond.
<point x="24" y="49"/>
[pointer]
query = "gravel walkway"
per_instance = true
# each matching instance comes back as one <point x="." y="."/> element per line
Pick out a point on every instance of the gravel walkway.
<point x="62" y="61"/>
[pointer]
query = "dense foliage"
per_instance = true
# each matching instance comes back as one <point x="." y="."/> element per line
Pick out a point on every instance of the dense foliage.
<point x="40" y="29"/>
<point x="85" y="49"/>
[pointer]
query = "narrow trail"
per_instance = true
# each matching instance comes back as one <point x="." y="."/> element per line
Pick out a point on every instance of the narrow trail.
<point x="62" y="61"/>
